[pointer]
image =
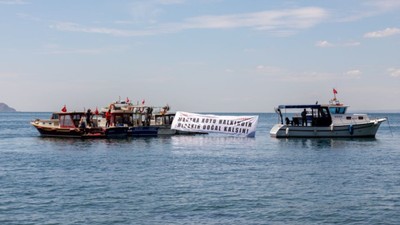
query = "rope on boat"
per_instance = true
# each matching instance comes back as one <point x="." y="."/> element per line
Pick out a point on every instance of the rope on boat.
<point x="390" y="128"/>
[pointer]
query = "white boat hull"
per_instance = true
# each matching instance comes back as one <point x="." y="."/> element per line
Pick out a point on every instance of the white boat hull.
<point x="367" y="129"/>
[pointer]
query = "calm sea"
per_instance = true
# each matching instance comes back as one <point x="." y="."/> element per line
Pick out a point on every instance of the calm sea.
<point x="208" y="179"/>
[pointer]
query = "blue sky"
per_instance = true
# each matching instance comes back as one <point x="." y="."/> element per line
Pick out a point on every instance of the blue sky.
<point x="199" y="56"/>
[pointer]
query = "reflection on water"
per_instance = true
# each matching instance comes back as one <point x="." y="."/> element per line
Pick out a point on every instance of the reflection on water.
<point x="208" y="140"/>
<point x="85" y="144"/>
<point x="326" y="143"/>
<point x="211" y="144"/>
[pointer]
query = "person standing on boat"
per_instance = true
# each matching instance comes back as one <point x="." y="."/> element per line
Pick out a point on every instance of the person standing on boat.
<point x="304" y="117"/>
<point x="89" y="118"/>
<point x="108" y="118"/>
<point x="82" y="124"/>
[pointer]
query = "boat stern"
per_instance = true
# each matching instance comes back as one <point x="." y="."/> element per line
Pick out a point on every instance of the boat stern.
<point x="275" y="130"/>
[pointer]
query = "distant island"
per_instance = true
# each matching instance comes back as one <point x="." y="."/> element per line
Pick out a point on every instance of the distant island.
<point x="5" y="108"/>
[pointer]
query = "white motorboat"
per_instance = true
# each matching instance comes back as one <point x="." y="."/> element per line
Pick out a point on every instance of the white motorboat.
<point x="318" y="120"/>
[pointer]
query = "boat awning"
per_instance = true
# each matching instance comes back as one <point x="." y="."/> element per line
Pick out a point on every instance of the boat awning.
<point x="299" y="106"/>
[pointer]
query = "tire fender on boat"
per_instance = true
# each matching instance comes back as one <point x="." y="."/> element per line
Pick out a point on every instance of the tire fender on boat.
<point x="351" y="129"/>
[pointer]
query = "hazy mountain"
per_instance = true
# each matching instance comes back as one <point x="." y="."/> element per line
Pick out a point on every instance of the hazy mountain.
<point x="5" y="108"/>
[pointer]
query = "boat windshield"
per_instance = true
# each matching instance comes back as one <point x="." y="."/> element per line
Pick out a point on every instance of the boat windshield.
<point x="66" y="121"/>
<point x="337" y="110"/>
<point x="54" y="116"/>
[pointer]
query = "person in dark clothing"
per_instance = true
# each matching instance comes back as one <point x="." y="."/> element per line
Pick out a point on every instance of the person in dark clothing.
<point x="89" y="118"/>
<point x="304" y="117"/>
<point x="287" y="121"/>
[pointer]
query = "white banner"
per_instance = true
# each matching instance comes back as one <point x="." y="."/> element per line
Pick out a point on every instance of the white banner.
<point x="234" y="125"/>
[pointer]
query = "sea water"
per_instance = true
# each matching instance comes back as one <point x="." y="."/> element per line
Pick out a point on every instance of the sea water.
<point x="202" y="179"/>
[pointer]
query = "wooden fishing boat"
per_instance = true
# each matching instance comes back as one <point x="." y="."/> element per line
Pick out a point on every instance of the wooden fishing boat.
<point x="67" y="124"/>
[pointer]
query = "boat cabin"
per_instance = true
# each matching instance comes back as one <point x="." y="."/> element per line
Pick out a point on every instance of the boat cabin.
<point x="337" y="109"/>
<point x="64" y="119"/>
<point x="70" y="120"/>
<point x="305" y="115"/>
<point x="121" y="118"/>
<point x="164" y="119"/>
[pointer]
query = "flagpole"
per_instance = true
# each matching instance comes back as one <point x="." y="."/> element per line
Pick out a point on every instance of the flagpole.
<point x="334" y="94"/>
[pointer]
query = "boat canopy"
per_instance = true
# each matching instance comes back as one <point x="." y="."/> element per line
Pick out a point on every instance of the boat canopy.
<point x="333" y="109"/>
<point x="299" y="106"/>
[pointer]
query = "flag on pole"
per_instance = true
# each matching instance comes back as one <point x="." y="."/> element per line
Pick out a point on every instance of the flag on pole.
<point x="143" y="101"/>
<point x="64" y="109"/>
<point x="334" y="91"/>
<point x="96" y="112"/>
<point x="127" y="100"/>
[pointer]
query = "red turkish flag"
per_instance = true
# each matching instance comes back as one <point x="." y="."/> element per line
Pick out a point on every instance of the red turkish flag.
<point x="64" y="109"/>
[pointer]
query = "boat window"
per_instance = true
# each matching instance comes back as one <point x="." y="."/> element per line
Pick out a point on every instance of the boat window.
<point x="66" y="121"/>
<point x="324" y="112"/>
<point x="123" y="119"/>
<point x="76" y="117"/>
<point x="360" y="117"/>
<point x="337" y="110"/>
<point x="348" y="117"/>
<point x="166" y="120"/>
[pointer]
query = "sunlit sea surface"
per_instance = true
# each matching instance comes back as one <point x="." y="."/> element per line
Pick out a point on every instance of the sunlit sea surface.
<point x="206" y="179"/>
